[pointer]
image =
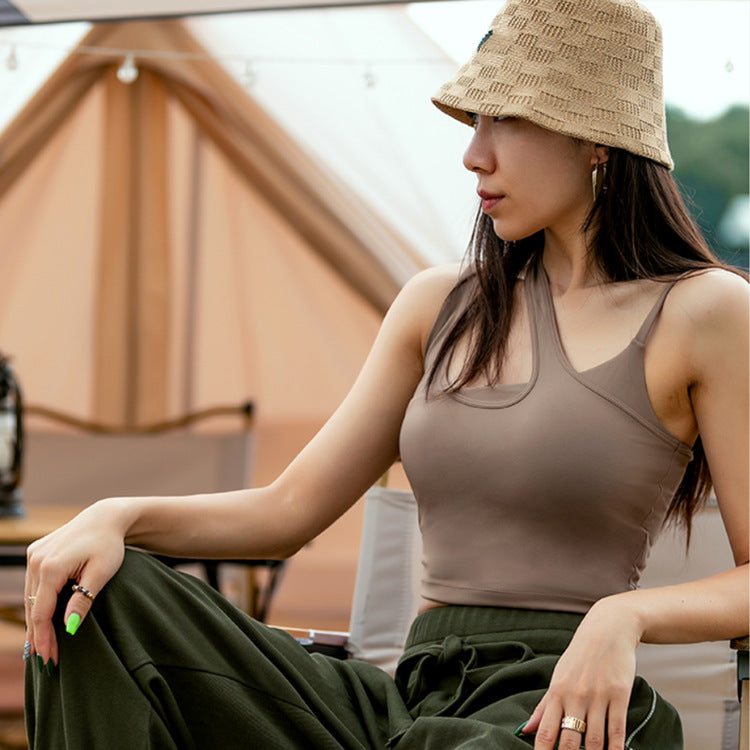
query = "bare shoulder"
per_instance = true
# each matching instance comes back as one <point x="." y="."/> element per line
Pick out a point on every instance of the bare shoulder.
<point x="423" y="295"/>
<point x="435" y="281"/>
<point x="710" y="300"/>
<point x="709" y="311"/>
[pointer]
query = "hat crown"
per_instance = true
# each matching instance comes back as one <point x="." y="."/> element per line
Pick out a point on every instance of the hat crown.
<point x="590" y="69"/>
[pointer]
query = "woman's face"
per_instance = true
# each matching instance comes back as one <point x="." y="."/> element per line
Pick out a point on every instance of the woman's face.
<point x="530" y="178"/>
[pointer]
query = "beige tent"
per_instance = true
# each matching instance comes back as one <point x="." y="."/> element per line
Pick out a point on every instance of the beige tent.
<point x="185" y="250"/>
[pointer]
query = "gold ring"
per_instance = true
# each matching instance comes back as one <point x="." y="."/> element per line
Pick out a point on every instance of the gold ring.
<point x="32" y="600"/>
<point x="81" y="590"/>
<point x="574" y="723"/>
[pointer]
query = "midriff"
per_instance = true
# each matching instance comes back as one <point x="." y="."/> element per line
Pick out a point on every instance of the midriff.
<point x="426" y="604"/>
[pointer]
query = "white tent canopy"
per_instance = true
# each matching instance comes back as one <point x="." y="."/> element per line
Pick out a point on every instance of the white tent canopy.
<point x="351" y="84"/>
<point x="52" y="11"/>
<point x="380" y="140"/>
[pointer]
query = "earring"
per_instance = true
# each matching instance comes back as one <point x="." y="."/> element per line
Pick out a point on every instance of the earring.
<point x="594" y="177"/>
<point x="598" y="179"/>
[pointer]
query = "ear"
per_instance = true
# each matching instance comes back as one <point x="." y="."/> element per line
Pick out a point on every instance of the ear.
<point x="600" y="154"/>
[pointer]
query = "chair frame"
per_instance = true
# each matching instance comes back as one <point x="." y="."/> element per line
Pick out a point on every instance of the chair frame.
<point x="742" y="646"/>
<point x="260" y="593"/>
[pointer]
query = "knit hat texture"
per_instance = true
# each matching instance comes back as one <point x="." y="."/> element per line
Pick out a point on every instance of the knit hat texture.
<point x="590" y="69"/>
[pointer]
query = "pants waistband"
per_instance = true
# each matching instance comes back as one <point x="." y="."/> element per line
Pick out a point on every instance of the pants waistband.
<point x="461" y="620"/>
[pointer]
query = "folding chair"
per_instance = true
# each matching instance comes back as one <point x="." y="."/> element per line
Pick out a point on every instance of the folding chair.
<point x="742" y="646"/>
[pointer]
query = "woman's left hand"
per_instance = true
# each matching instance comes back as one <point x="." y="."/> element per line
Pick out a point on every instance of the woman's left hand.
<point x="592" y="681"/>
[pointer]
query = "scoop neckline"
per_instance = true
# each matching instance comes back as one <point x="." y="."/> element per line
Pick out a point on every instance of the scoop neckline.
<point x="491" y="396"/>
<point x="651" y="419"/>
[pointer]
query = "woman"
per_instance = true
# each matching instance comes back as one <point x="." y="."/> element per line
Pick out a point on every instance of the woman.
<point x="544" y="401"/>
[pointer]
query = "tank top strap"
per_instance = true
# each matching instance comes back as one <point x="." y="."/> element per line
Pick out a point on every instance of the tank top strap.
<point x="542" y="319"/>
<point x="648" y="323"/>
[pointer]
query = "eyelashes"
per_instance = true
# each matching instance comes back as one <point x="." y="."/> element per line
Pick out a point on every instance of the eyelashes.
<point x="474" y="117"/>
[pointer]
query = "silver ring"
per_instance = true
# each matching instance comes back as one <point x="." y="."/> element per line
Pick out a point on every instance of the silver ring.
<point x="32" y="600"/>
<point x="81" y="590"/>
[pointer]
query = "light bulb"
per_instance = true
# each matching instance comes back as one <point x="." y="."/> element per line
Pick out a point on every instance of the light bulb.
<point x="11" y="61"/>
<point x="249" y="77"/>
<point x="128" y="71"/>
<point x="369" y="77"/>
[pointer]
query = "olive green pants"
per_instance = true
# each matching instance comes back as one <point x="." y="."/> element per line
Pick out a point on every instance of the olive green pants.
<point x="163" y="661"/>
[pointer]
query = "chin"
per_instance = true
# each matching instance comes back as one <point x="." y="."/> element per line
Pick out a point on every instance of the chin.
<point x="510" y="234"/>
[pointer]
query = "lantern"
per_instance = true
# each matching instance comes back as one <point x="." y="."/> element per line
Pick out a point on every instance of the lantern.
<point x="11" y="441"/>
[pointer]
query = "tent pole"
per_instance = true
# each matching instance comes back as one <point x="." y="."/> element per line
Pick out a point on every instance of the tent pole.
<point x="191" y="302"/>
<point x="133" y="291"/>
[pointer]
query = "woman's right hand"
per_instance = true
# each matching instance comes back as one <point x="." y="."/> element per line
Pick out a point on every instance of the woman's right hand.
<point x="88" y="550"/>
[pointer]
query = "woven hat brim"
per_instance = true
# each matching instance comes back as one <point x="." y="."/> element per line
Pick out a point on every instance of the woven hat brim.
<point x="551" y="122"/>
<point x="589" y="70"/>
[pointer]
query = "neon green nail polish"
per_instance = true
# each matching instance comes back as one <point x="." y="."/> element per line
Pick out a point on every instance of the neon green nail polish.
<point x="519" y="731"/>
<point x="74" y="621"/>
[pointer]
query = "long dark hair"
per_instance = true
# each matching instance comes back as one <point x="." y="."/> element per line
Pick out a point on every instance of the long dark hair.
<point x="638" y="228"/>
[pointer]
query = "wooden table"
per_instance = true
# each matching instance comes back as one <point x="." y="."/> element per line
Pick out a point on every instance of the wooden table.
<point x="17" y="533"/>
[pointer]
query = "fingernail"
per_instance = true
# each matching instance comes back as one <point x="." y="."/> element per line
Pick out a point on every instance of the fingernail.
<point x="520" y="729"/>
<point x="40" y="663"/>
<point x="74" y="620"/>
<point x="26" y="651"/>
<point x="50" y="667"/>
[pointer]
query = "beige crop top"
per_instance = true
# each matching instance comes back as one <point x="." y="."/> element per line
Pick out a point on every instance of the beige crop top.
<point x="545" y="495"/>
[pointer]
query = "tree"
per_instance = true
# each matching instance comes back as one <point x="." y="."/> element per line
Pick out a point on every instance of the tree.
<point x="711" y="168"/>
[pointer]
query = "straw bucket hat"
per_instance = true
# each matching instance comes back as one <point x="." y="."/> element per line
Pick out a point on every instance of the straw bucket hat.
<point x="590" y="69"/>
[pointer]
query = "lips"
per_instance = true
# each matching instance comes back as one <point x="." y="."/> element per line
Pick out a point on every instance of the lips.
<point x="489" y="200"/>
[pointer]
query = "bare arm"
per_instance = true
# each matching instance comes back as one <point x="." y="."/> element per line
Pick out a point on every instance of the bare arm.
<point x="594" y="676"/>
<point x="357" y="444"/>
<point x="717" y="607"/>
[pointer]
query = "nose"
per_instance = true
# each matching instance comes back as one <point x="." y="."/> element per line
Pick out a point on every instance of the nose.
<point x="478" y="156"/>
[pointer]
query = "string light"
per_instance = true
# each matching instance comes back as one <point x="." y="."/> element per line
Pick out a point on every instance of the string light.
<point x="249" y="77"/>
<point x="369" y="77"/>
<point x="11" y="61"/>
<point x="152" y="54"/>
<point x="128" y="71"/>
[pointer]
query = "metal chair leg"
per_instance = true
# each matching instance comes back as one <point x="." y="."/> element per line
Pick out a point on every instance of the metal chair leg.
<point x="743" y="691"/>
